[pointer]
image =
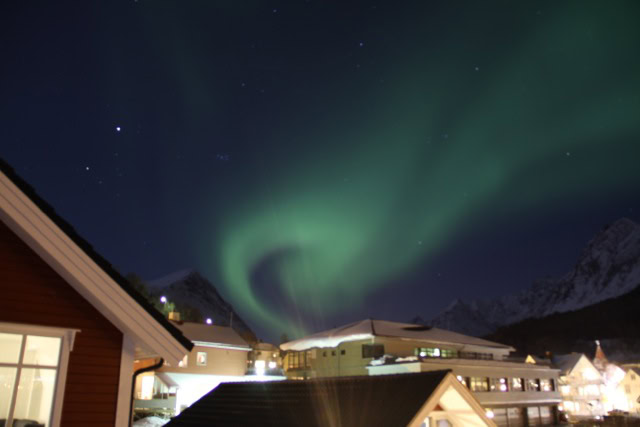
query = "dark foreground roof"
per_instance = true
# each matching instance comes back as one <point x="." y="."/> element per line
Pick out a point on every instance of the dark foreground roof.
<point x="385" y="401"/>
<point x="106" y="266"/>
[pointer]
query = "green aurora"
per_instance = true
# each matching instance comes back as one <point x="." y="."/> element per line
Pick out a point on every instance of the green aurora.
<point x="380" y="182"/>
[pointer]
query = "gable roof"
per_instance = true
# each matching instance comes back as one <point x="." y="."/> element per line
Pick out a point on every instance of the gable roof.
<point x="71" y="256"/>
<point x="214" y="335"/>
<point x="370" y="328"/>
<point x="386" y="400"/>
<point x="566" y="362"/>
<point x="634" y="370"/>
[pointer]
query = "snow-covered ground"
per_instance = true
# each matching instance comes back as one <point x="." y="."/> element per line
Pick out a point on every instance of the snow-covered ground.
<point x="150" y="422"/>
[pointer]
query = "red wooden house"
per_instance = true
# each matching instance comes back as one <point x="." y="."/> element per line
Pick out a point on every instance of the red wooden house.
<point x="70" y="325"/>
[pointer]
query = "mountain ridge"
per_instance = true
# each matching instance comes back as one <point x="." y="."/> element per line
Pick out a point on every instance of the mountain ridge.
<point x="608" y="267"/>
<point x="189" y="288"/>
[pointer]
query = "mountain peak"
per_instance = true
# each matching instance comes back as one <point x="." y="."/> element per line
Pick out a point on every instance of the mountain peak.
<point x="608" y="267"/>
<point x="171" y="278"/>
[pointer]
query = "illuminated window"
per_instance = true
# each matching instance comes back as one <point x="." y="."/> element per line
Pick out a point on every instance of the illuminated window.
<point x="479" y="384"/>
<point x="533" y="384"/>
<point x="146" y="387"/>
<point x="184" y="362"/>
<point x="372" y="350"/>
<point x="33" y="363"/>
<point x="499" y="384"/>
<point x="517" y="384"/>
<point x="299" y="359"/>
<point x="201" y="358"/>
<point x="435" y="352"/>
<point x="546" y="384"/>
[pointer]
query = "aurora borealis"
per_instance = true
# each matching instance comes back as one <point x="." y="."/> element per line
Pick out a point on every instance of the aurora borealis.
<point x="322" y="161"/>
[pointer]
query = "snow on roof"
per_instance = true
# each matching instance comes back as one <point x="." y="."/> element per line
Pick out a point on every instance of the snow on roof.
<point x="370" y="328"/>
<point x="212" y="334"/>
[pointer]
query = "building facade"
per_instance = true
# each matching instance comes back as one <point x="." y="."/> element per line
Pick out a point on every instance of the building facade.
<point x="219" y="355"/>
<point x="71" y="326"/>
<point x="629" y="391"/>
<point x="514" y="393"/>
<point x="581" y="385"/>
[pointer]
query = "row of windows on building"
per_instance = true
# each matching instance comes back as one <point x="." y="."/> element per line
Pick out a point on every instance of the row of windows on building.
<point x="201" y="360"/>
<point x="504" y="384"/>
<point x="451" y="354"/>
<point x="302" y="359"/>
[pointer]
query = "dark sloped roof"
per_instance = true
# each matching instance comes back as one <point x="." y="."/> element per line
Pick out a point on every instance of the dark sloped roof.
<point x="105" y="265"/>
<point x="386" y="400"/>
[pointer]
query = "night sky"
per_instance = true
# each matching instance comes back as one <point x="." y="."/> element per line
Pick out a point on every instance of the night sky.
<point x="322" y="162"/>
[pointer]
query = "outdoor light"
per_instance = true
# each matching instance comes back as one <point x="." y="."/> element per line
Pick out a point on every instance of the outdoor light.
<point x="259" y="367"/>
<point x="163" y="299"/>
<point x="272" y="365"/>
<point x="489" y="414"/>
<point x="209" y="321"/>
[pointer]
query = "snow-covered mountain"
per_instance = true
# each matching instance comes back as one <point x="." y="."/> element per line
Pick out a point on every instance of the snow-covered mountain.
<point x="190" y="288"/>
<point x="608" y="267"/>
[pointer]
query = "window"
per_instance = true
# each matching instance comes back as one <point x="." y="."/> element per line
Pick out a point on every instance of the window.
<point x="499" y="384"/>
<point x="324" y="354"/>
<point x="184" y="362"/>
<point x="517" y="384"/>
<point x="343" y="352"/>
<point x="479" y="383"/>
<point x="201" y="358"/>
<point x="533" y="384"/>
<point x="299" y="359"/>
<point x="546" y="384"/>
<point x="435" y="352"/>
<point x="33" y="364"/>
<point x="372" y="350"/>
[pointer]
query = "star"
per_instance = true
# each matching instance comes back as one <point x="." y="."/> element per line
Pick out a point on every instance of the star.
<point x="361" y="44"/>
<point x="118" y="128"/>
<point x="477" y="68"/>
<point x="87" y="168"/>
<point x="568" y="154"/>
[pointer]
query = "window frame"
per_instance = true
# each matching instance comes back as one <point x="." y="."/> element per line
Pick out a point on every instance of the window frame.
<point x="67" y="338"/>
<point x="198" y="360"/>
<point x="372" y="351"/>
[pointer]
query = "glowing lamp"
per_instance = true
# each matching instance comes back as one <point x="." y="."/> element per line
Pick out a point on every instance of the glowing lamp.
<point x="260" y="367"/>
<point x="489" y="414"/>
<point x="272" y="365"/>
<point x="163" y="299"/>
<point x="209" y="321"/>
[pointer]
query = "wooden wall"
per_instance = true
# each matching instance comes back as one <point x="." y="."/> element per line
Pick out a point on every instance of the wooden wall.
<point x="31" y="292"/>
